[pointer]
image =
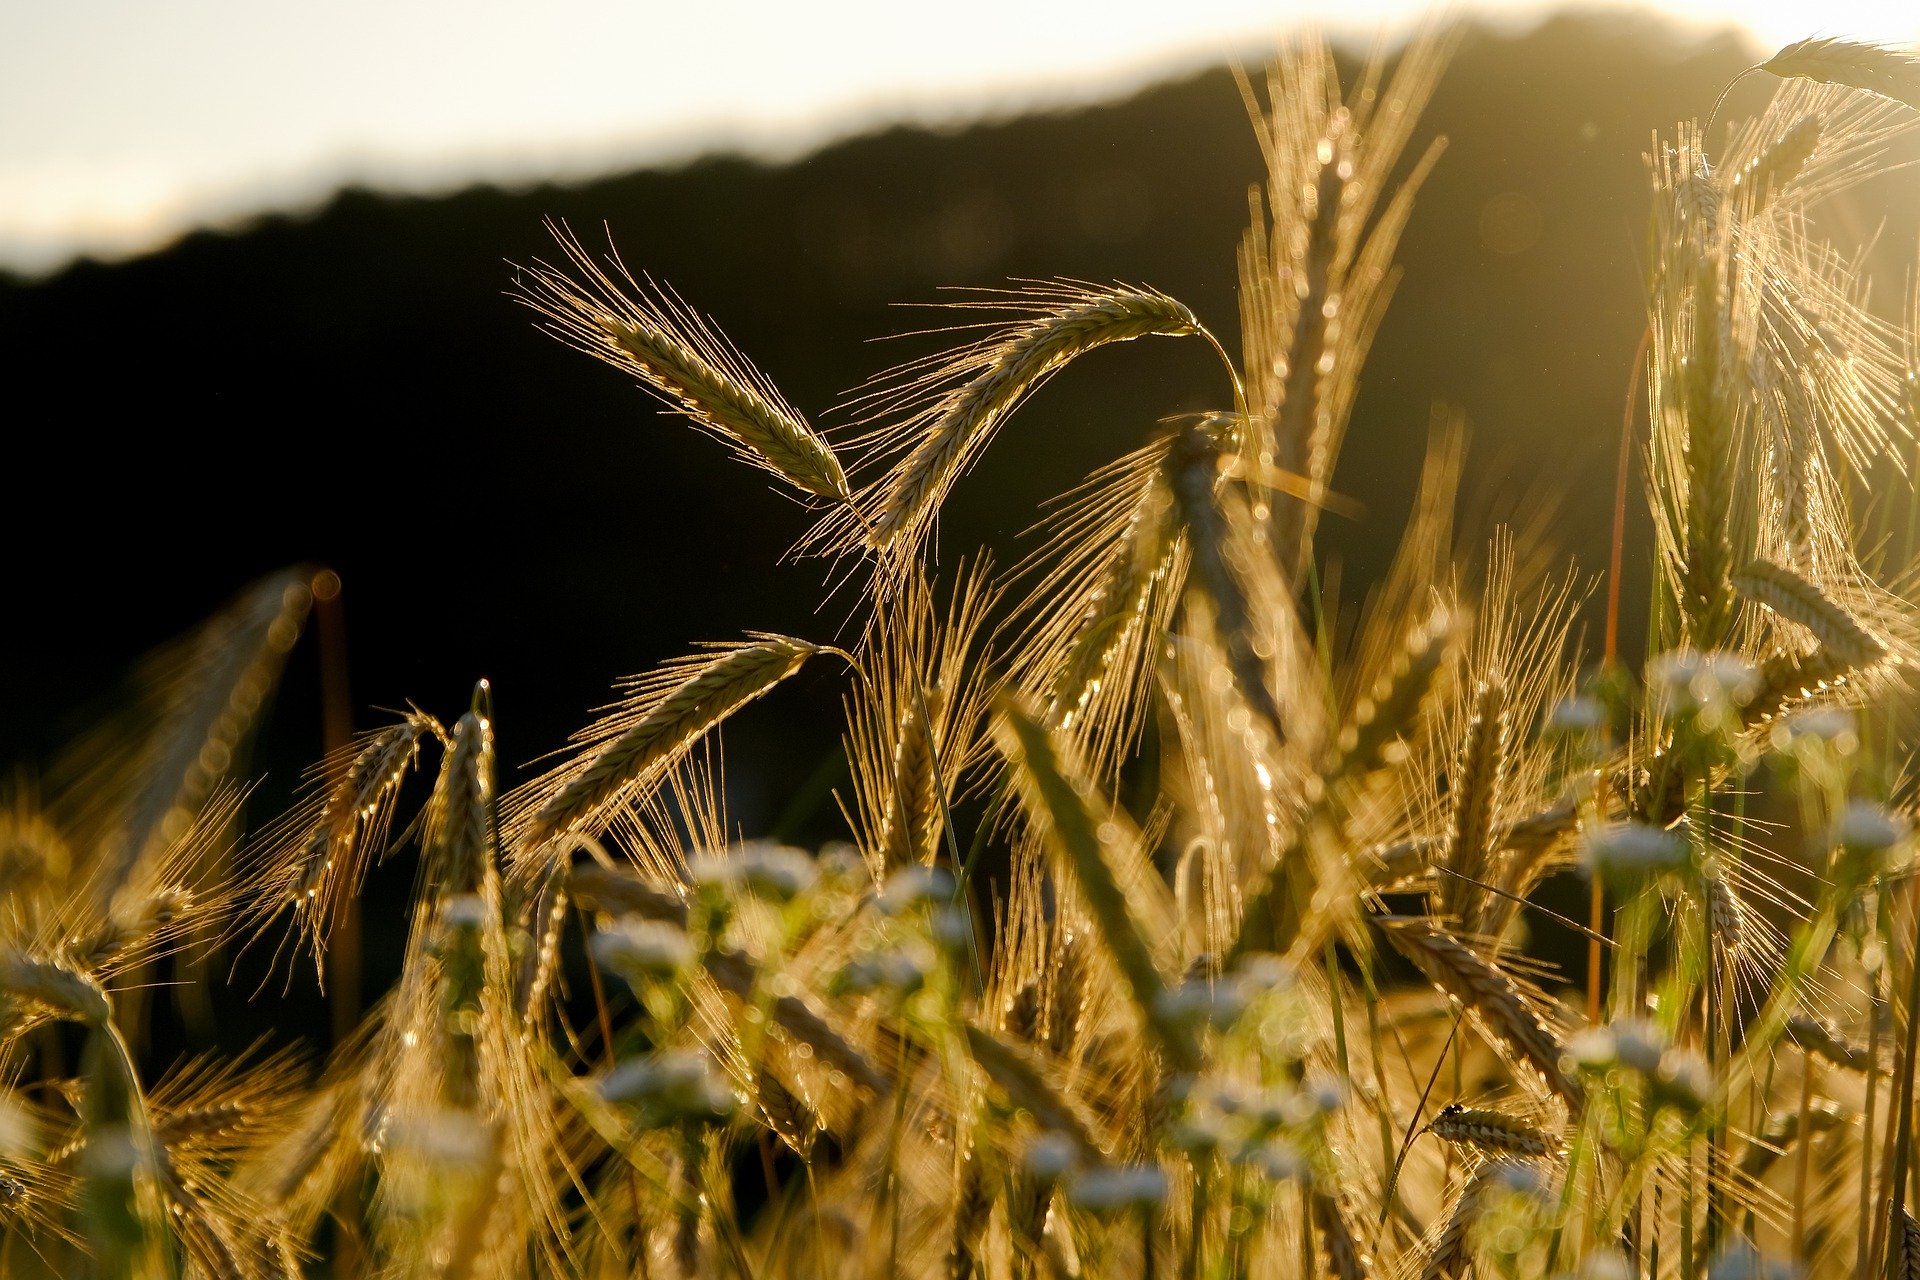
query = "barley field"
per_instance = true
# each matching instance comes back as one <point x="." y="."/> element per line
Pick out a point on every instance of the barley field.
<point x="1198" y="914"/>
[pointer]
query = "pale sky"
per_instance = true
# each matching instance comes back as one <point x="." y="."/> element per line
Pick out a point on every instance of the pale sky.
<point x="125" y="122"/>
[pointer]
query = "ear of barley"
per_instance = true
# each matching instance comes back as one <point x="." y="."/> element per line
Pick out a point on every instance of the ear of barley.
<point x="208" y="707"/>
<point x="546" y="921"/>
<point x="1783" y="1129"/>
<point x="1493" y="1132"/>
<point x="1069" y="813"/>
<point x="620" y="891"/>
<point x="460" y="816"/>
<point x="1874" y="69"/>
<point x="1726" y="913"/>
<point x="1401" y="864"/>
<point x="1449" y="1257"/>
<point x="1194" y="464"/>
<point x="659" y="724"/>
<point x="788" y="1115"/>
<point x="1707" y="605"/>
<point x="326" y="861"/>
<point x="1022" y="1074"/>
<point x="1800" y="601"/>
<point x="1488" y="993"/>
<point x="913" y="815"/>
<point x="1344" y="1258"/>
<point x="1066" y="993"/>
<point x="213" y="1119"/>
<point x="684" y="360"/>
<point x="1767" y="174"/>
<point x="999" y="373"/>
<point x="1298" y="441"/>
<point x="972" y="1208"/>
<point x="1382" y="719"/>
<point x="736" y="972"/>
<point x="59" y="986"/>
<point x="1819" y="1038"/>
<point x="1790" y="678"/>
<point x="1475" y="784"/>
<point x="1906" y="1264"/>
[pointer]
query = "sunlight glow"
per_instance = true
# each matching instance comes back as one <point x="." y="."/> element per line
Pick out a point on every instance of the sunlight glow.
<point x="124" y="122"/>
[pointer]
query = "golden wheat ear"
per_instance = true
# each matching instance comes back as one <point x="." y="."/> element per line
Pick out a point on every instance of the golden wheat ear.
<point x="663" y="716"/>
<point x="313" y="861"/>
<point x="1871" y="68"/>
<point x="684" y="359"/>
<point x="929" y="419"/>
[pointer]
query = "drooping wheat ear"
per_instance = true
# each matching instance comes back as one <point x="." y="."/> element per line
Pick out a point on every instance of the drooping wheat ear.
<point x="1345" y="1259"/>
<point x="1074" y="818"/>
<point x="1448" y="1259"/>
<point x="999" y="372"/>
<point x="1488" y="993"/>
<point x="1728" y="920"/>
<point x="1871" y="68"/>
<point x="56" y="984"/>
<point x="663" y="716"/>
<point x="1815" y="1036"/>
<point x="1798" y="600"/>
<point x="1375" y="735"/>
<point x="1022" y="1074"/>
<point x="1493" y="1132"/>
<point x="792" y="1120"/>
<point x="1194" y="466"/>
<point x="1476" y="784"/>
<point x="1767" y="174"/>
<point x="647" y="330"/>
<point x="1783" y="1129"/>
